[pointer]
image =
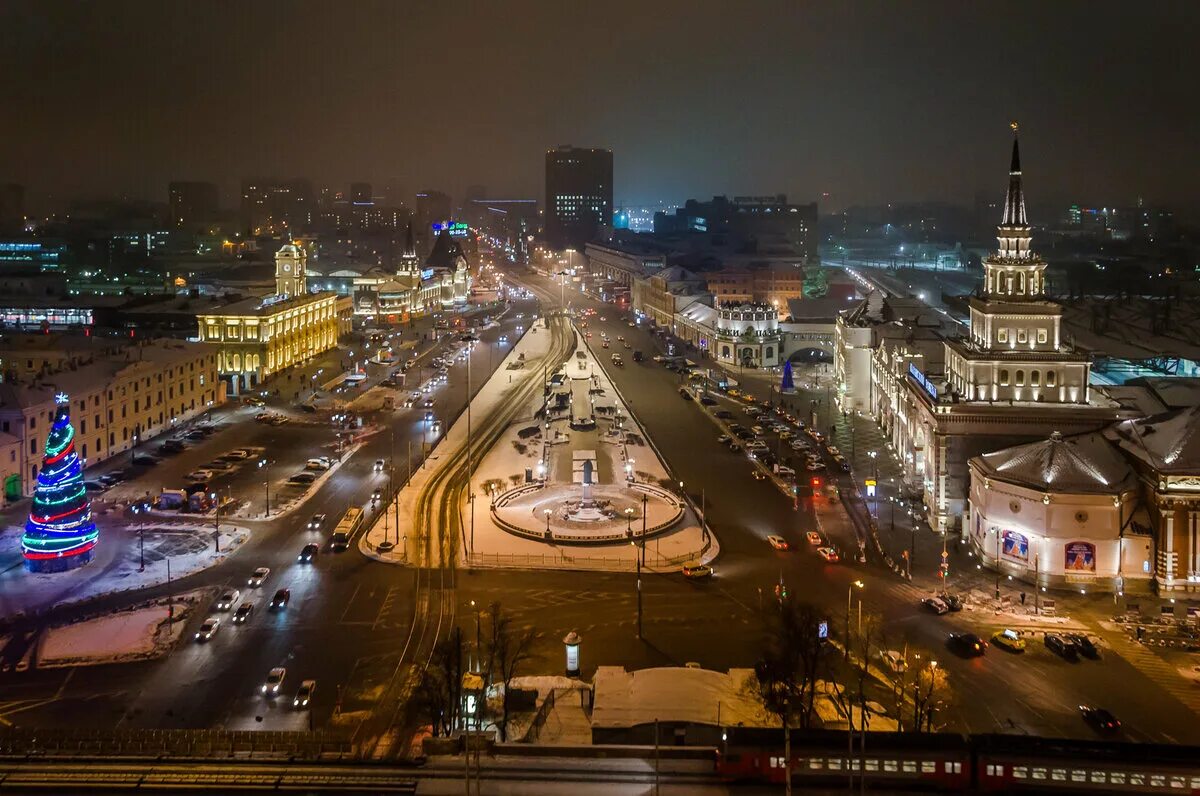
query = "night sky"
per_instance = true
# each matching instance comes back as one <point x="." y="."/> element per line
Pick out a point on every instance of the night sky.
<point x="868" y="102"/>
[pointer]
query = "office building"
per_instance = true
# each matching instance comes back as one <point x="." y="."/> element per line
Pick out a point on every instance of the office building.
<point x="192" y="204"/>
<point x="360" y="194"/>
<point x="274" y="207"/>
<point x="579" y="196"/>
<point x="765" y="224"/>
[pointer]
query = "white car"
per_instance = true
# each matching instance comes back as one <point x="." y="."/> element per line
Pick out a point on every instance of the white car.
<point x="305" y="694"/>
<point x="936" y="605"/>
<point x="783" y="470"/>
<point x="228" y="599"/>
<point x="274" y="681"/>
<point x="379" y="464"/>
<point x="200" y="475"/>
<point x="778" y="542"/>
<point x="893" y="661"/>
<point x="208" y="629"/>
<point x="258" y="576"/>
<point x="813" y="538"/>
<point x="828" y="553"/>
<point x="240" y="453"/>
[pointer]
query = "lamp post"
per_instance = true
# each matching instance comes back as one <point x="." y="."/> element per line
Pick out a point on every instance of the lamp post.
<point x="216" y="521"/>
<point x="849" y="595"/>
<point x="547" y="513"/>
<point x="267" y="487"/>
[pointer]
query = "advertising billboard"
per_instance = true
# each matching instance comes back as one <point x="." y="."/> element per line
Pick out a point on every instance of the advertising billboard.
<point x="1015" y="546"/>
<point x="1079" y="557"/>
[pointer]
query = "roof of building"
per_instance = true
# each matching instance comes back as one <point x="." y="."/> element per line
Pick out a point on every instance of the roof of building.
<point x="879" y="308"/>
<point x="1087" y="463"/>
<point x="149" y="356"/>
<point x="629" y="699"/>
<point x="826" y="308"/>
<point x="266" y="305"/>
<point x="699" y="313"/>
<point x="1168" y="442"/>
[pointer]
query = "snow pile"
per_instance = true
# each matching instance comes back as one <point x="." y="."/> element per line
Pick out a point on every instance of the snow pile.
<point x="139" y="634"/>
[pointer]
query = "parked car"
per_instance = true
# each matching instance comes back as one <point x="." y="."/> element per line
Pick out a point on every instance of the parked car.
<point x="208" y="629"/>
<point x="1061" y="647"/>
<point x="302" y="478"/>
<point x="893" y="661"/>
<point x="274" y="681"/>
<point x="199" y="475"/>
<point x="935" y="605"/>
<point x="145" y="460"/>
<point x="1084" y="645"/>
<point x="778" y="542"/>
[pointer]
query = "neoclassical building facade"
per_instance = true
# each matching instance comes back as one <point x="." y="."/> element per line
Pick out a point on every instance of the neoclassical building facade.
<point x="258" y="337"/>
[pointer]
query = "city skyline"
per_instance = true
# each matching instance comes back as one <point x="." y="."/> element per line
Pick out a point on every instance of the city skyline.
<point x="771" y="100"/>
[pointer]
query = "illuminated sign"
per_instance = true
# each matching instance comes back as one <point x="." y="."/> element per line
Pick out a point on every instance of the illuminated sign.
<point x="457" y="229"/>
<point x="870" y="483"/>
<point x="919" y="378"/>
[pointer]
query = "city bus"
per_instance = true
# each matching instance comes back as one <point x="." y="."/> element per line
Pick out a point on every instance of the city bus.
<point x="346" y="527"/>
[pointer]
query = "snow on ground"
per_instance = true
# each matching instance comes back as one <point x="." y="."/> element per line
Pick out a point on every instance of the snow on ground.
<point x="116" y="565"/>
<point x="139" y="634"/>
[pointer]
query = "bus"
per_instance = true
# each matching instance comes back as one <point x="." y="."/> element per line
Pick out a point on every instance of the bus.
<point x="346" y="527"/>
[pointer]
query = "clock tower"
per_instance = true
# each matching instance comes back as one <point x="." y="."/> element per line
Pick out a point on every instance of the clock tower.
<point x="290" y="277"/>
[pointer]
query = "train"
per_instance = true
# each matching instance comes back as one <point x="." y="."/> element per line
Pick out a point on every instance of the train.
<point x="952" y="763"/>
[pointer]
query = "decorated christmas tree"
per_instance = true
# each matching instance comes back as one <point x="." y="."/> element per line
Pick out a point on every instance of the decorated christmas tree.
<point x="60" y="534"/>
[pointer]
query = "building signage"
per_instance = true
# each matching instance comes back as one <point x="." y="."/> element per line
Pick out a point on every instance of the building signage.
<point x="915" y="373"/>
<point x="1015" y="546"/>
<point x="457" y="229"/>
<point x="1080" y="557"/>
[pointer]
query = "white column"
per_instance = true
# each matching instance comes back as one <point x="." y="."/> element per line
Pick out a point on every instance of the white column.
<point x="1170" y="545"/>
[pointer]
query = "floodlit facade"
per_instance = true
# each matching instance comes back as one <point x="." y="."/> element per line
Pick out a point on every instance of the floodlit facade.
<point x="258" y="337"/>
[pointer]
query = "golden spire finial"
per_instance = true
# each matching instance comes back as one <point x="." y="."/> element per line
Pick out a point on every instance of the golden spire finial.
<point x="1013" y="125"/>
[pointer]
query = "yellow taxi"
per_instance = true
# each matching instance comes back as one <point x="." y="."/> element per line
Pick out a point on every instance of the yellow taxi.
<point x="1009" y="639"/>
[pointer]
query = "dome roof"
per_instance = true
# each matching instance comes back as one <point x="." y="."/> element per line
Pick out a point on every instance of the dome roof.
<point x="1087" y="463"/>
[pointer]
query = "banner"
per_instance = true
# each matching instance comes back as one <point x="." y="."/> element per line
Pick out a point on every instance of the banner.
<point x="1015" y="546"/>
<point x="1080" y="557"/>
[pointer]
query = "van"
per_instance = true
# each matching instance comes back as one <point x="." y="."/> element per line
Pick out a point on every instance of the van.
<point x="171" y="499"/>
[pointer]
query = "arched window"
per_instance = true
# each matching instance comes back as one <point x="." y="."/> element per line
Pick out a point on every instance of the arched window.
<point x="1049" y="378"/>
<point x="1034" y="378"/>
<point x="1020" y="378"/>
<point x="1003" y="378"/>
<point x="770" y="352"/>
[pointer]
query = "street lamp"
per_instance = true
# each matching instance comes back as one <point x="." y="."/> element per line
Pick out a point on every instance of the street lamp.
<point x="547" y="513"/>
<point x="267" y="486"/>
<point x="216" y="521"/>
<point x="849" y="594"/>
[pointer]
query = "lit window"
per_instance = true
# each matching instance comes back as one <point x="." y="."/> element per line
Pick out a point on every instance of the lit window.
<point x="1050" y="378"/>
<point x="1021" y="336"/>
<point x="1041" y="338"/>
<point x="1003" y="378"/>
<point x="1002" y="335"/>
<point x="1020" y="378"/>
<point x="1034" y="378"/>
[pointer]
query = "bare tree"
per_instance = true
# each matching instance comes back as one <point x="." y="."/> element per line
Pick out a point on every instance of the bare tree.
<point x="438" y="695"/>
<point x="788" y="669"/>
<point x="507" y="649"/>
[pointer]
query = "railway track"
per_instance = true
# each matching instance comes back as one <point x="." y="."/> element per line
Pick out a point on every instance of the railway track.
<point x="385" y="734"/>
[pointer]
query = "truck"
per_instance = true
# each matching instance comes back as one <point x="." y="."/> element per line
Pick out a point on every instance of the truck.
<point x="637" y="356"/>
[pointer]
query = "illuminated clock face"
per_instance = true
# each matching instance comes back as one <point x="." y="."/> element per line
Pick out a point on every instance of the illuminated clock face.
<point x="287" y="268"/>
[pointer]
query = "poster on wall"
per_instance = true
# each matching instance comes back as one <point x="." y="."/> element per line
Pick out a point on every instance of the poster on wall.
<point x="1015" y="546"/>
<point x="1080" y="557"/>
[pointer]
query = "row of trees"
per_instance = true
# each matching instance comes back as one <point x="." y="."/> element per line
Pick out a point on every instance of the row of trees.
<point x="500" y="650"/>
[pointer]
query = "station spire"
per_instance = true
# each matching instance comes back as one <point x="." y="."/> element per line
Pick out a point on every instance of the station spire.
<point x="1014" y="202"/>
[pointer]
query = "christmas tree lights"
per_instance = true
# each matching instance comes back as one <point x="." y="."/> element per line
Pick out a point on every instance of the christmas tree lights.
<point x="60" y="534"/>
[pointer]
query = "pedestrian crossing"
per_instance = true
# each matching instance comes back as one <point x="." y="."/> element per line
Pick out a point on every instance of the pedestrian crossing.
<point x="1158" y="670"/>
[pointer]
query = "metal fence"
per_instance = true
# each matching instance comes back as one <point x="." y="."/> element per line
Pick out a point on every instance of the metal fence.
<point x="69" y="742"/>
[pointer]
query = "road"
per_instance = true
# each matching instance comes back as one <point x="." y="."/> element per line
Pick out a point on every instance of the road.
<point x="351" y="618"/>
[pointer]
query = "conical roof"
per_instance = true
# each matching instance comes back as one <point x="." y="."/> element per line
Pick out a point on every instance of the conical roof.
<point x="1087" y="463"/>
